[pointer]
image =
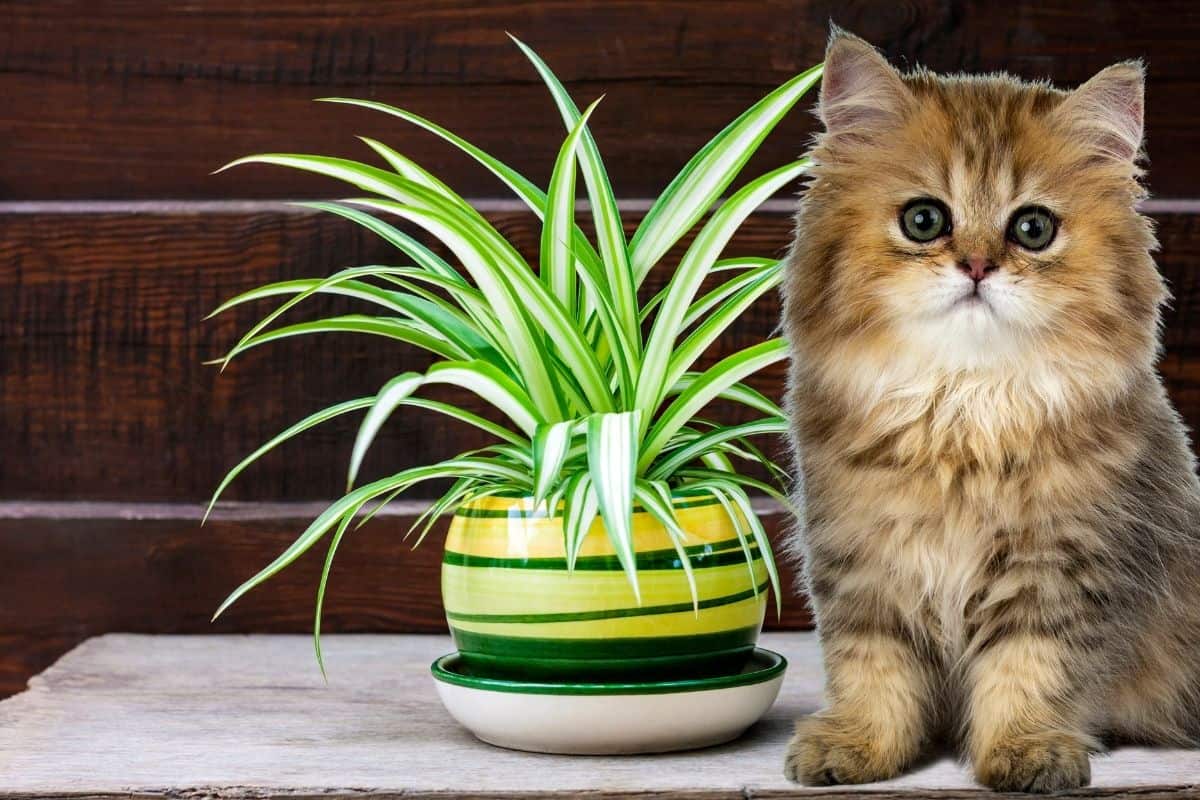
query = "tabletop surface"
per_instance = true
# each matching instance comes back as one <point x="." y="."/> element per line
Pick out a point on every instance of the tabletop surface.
<point x="249" y="716"/>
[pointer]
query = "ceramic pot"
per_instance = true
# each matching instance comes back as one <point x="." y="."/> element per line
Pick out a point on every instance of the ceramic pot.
<point x="514" y="610"/>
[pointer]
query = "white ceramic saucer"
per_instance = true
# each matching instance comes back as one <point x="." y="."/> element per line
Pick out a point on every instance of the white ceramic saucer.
<point x="610" y="718"/>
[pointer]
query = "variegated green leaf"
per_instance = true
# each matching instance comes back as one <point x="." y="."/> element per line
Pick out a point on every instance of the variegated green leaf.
<point x="397" y="329"/>
<point x="526" y="190"/>
<point x="580" y="508"/>
<point x="711" y="383"/>
<point x="738" y="393"/>
<point x="612" y="442"/>
<point x="483" y="379"/>
<point x="347" y="518"/>
<point x="550" y="444"/>
<point x="324" y="415"/>
<point x="390" y="396"/>
<point x="709" y="173"/>
<point x="421" y="255"/>
<point x="609" y="232"/>
<point x="701" y="307"/>
<point x="702" y="444"/>
<point x="655" y="497"/>
<point x="517" y="296"/>
<point x="693" y="268"/>
<point x="557" y="258"/>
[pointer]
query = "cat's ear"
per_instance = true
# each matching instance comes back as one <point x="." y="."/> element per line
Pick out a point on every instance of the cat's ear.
<point x="861" y="93"/>
<point x="1106" y="112"/>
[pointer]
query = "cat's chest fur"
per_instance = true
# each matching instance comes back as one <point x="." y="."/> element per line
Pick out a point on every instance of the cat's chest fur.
<point x="921" y="484"/>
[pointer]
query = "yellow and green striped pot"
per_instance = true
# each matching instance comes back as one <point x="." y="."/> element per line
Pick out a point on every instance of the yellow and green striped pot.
<point x="515" y="610"/>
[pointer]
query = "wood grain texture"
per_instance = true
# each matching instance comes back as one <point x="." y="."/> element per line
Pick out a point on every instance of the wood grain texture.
<point x="74" y="570"/>
<point x="119" y="99"/>
<point x="179" y="716"/>
<point x="102" y="340"/>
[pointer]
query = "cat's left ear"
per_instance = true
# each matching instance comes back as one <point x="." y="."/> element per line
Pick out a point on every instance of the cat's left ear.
<point x="862" y="95"/>
<point x="1107" y="111"/>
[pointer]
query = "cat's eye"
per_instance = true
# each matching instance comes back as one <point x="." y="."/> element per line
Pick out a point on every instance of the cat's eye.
<point x="1033" y="227"/>
<point x="924" y="220"/>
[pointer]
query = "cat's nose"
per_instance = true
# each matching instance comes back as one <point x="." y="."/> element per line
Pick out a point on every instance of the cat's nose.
<point x="977" y="266"/>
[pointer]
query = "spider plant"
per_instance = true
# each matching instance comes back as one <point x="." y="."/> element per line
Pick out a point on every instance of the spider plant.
<point x="598" y="390"/>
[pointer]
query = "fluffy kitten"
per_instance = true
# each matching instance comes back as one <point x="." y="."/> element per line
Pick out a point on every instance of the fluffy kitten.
<point x="1003" y="524"/>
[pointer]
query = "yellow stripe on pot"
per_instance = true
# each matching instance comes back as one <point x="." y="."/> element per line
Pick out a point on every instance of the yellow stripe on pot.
<point x="493" y="590"/>
<point x="741" y="614"/>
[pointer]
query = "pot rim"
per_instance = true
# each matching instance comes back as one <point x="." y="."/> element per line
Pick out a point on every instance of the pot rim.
<point x="681" y="499"/>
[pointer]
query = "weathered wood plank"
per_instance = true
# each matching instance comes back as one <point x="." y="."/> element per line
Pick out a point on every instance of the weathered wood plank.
<point x="250" y="717"/>
<point x="102" y="338"/>
<point x="74" y="570"/>
<point x="129" y="100"/>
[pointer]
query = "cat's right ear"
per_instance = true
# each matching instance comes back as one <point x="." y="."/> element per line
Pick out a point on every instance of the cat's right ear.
<point x="861" y="93"/>
<point x="1106" y="112"/>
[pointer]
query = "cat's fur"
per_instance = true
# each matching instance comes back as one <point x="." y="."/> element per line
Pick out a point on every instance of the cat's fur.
<point x="1002" y="543"/>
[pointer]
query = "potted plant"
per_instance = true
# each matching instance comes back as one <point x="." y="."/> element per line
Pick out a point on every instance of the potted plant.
<point x="608" y="534"/>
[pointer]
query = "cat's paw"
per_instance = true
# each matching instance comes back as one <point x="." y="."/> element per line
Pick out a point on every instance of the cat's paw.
<point x="1044" y="762"/>
<point x="823" y="752"/>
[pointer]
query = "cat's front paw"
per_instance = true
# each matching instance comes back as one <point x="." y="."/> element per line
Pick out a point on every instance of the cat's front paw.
<point x="1043" y="762"/>
<point x="825" y="752"/>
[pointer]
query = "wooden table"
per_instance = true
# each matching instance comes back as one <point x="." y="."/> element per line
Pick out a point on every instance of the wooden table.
<point x="249" y="716"/>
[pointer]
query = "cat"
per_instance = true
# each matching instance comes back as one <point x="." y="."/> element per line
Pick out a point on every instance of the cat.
<point x="1001" y="542"/>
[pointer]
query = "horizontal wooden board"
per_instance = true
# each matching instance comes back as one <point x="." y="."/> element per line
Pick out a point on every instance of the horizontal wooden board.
<point x="137" y="100"/>
<point x="74" y="570"/>
<point x="103" y="394"/>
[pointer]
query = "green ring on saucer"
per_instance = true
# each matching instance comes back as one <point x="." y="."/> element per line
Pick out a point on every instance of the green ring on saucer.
<point x="762" y="666"/>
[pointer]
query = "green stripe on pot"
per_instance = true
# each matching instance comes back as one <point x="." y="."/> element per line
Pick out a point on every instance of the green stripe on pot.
<point x="541" y="513"/>
<point x="639" y="647"/>
<point x="704" y="555"/>
<point x="610" y="613"/>
<point x="678" y="656"/>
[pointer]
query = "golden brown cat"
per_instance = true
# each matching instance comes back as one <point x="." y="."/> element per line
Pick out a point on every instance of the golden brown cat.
<point x="1002" y="541"/>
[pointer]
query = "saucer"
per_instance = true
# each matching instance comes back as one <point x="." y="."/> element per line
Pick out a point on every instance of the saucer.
<point x="610" y="718"/>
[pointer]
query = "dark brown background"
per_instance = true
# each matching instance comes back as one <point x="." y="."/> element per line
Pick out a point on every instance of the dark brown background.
<point x="115" y="242"/>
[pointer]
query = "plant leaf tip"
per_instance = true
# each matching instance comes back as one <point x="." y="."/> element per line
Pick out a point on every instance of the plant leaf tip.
<point x="321" y="662"/>
<point x="231" y="164"/>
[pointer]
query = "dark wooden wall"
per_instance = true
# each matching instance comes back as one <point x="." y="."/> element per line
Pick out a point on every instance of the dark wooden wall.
<point x="115" y="242"/>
